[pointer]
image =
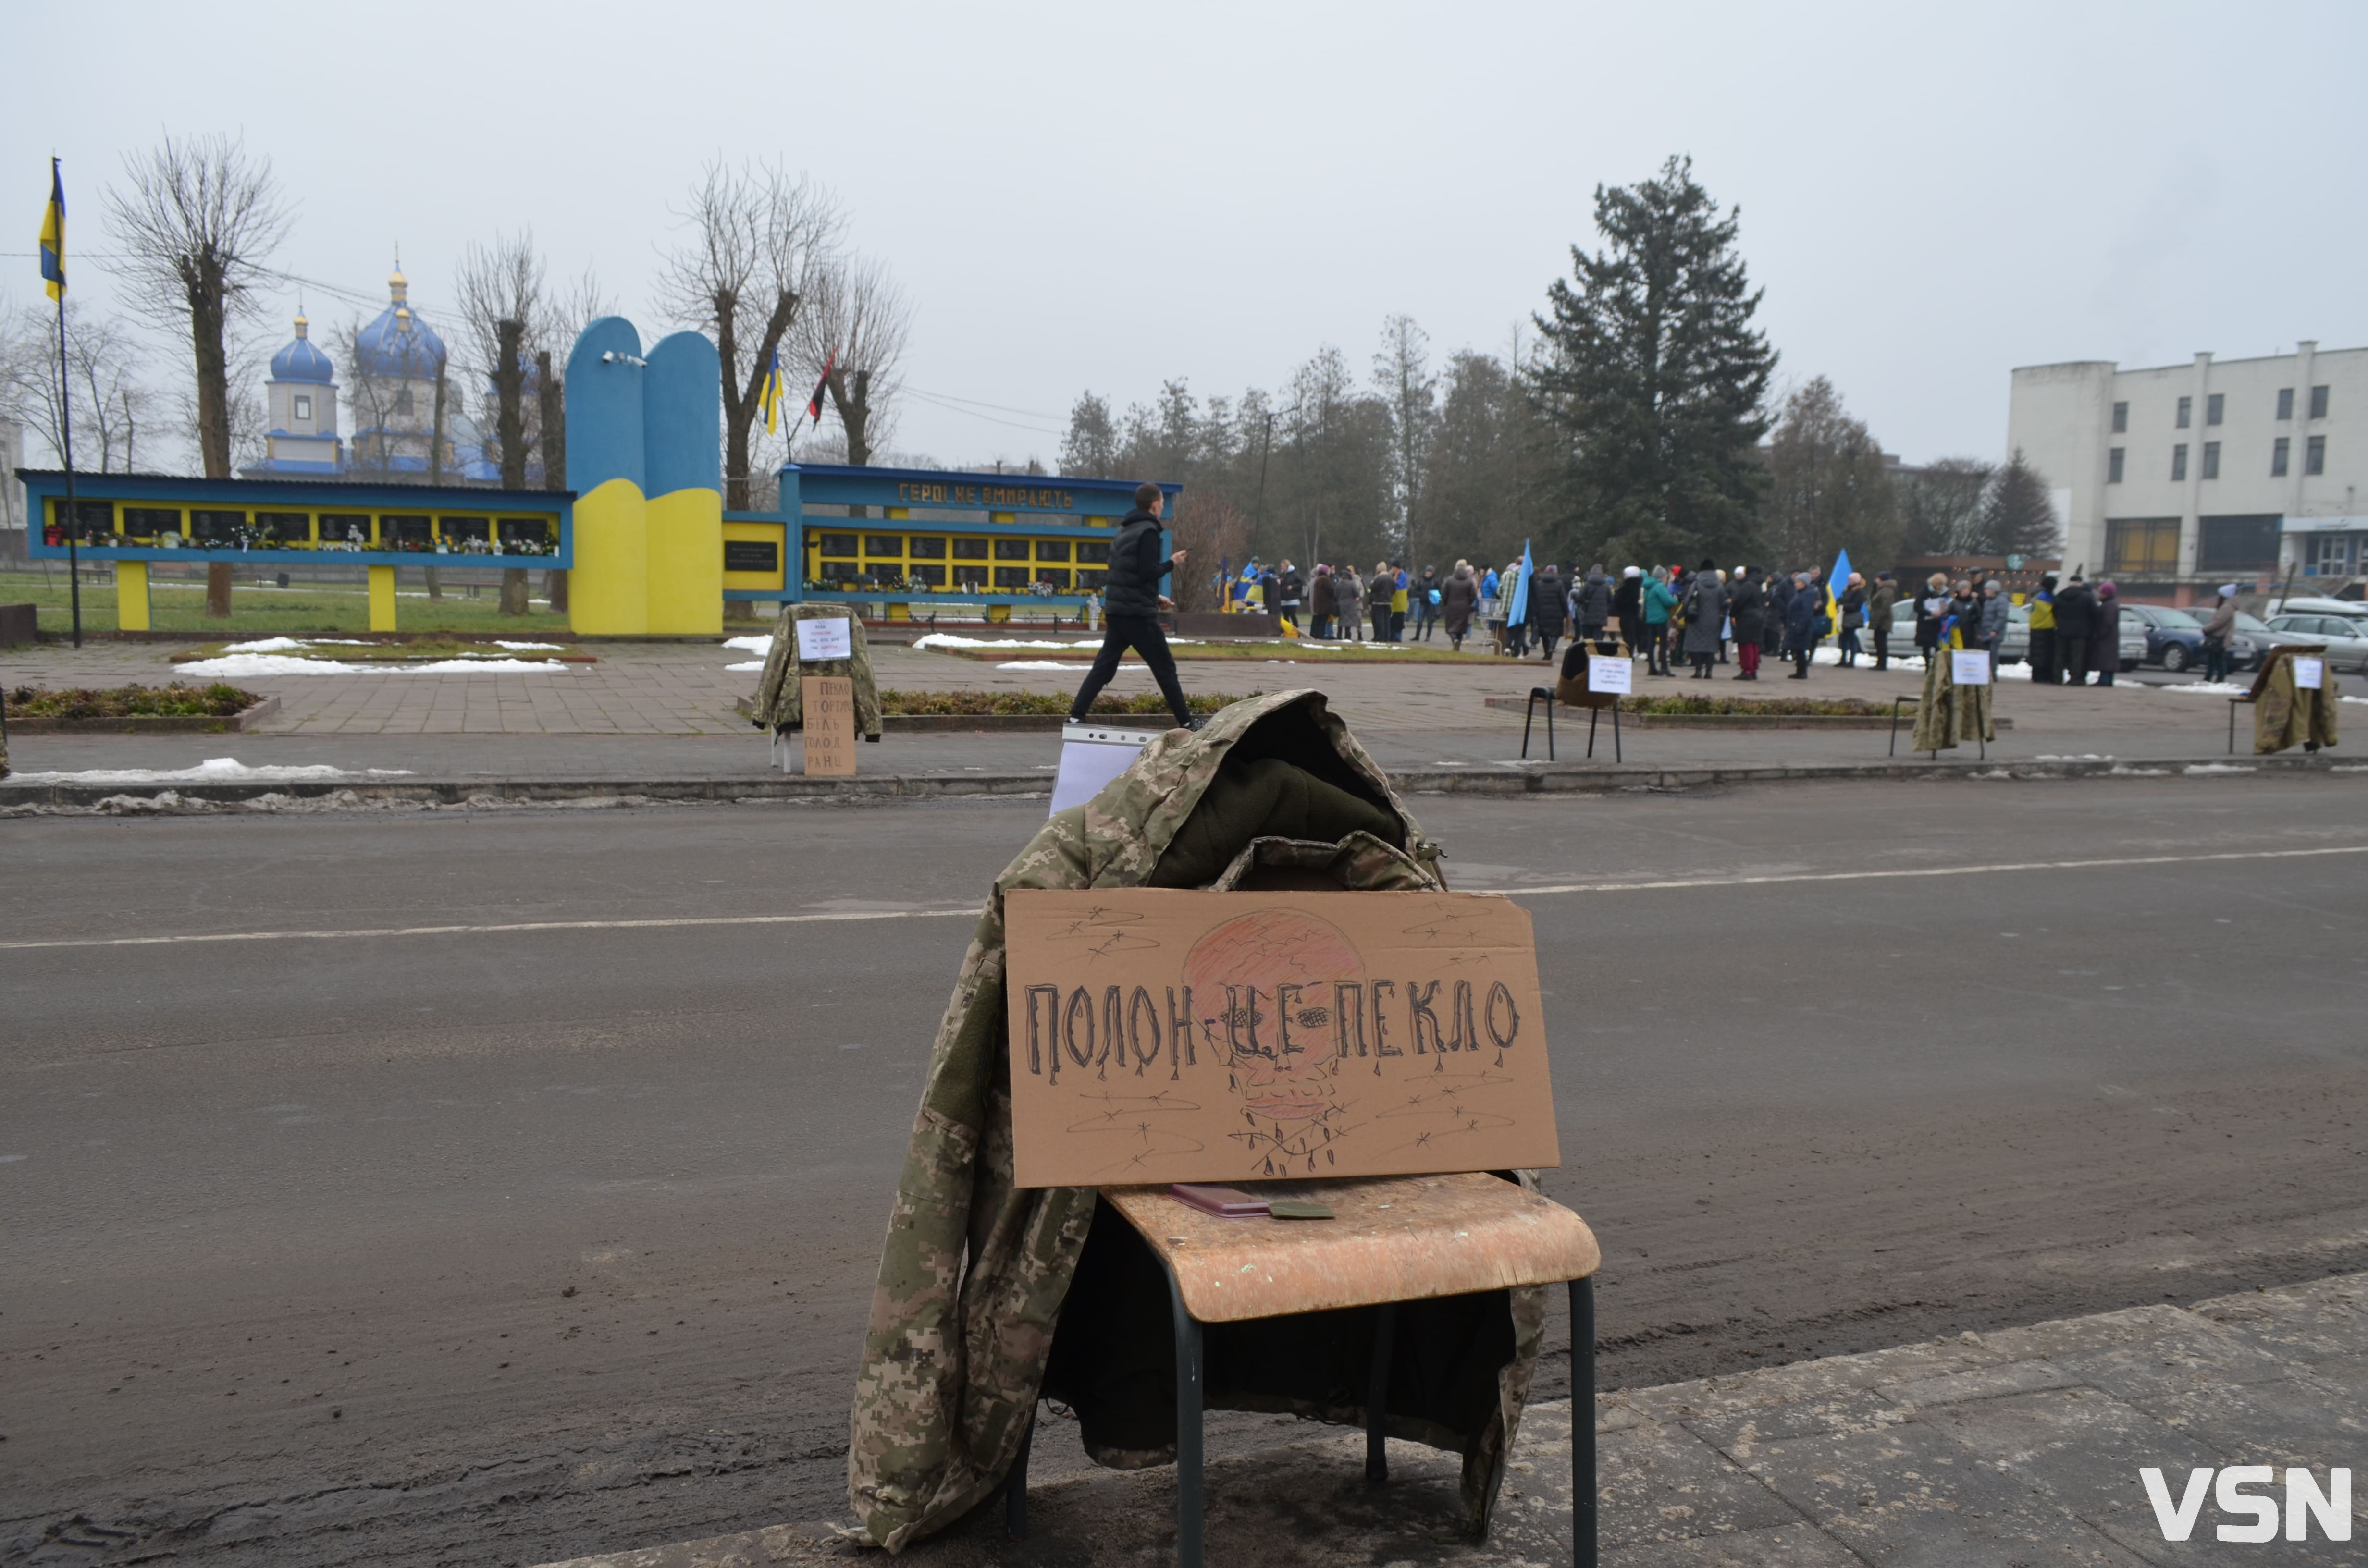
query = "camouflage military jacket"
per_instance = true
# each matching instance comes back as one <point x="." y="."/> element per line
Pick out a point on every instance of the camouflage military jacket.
<point x="777" y="703"/>
<point x="974" y="1269"/>
<point x="2286" y="714"/>
<point x="1950" y="714"/>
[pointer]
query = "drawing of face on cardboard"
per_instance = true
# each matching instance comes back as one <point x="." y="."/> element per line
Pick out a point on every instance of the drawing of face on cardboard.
<point x="1263" y="986"/>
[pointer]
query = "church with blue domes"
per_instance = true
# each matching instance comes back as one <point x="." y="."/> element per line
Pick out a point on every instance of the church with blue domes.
<point x="391" y="395"/>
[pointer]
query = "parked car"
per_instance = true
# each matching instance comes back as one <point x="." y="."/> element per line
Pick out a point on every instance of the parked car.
<point x="2014" y="648"/>
<point x="2347" y="640"/>
<point x="2349" y="610"/>
<point x="2175" y="637"/>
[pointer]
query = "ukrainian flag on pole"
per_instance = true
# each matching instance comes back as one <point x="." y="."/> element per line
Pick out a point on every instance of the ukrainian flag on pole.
<point x="1835" y="580"/>
<point x="53" y="236"/>
<point x="769" y="393"/>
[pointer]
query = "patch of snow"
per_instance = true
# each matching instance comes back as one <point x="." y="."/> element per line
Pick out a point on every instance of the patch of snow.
<point x="1038" y="664"/>
<point x="2124" y="771"/>
<point x="529" y="647"/>
<point x="214" y="770"/>
<point x="281" y="644"/>
<point x="761" y="643"/>
<point x="2198" y="769"/>
<point x="751" y="664"/>
<point x="2068" y="756"/>
<point x="2209" y="689"/>
<point x="251" y="664"/>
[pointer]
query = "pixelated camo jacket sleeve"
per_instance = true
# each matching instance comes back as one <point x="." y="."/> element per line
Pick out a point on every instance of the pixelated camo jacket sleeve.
<point x="974" y="1269"/>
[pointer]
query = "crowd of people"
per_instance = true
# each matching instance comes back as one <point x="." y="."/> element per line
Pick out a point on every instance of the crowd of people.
<point x="1702" y="616"/>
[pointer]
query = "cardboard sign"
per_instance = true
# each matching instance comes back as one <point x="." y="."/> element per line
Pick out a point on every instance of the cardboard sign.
<point x="827" y="638"/>
<point x="1090" y="758"/>
<point x="2310" y="675"/>
<point x="1611" y="676"/>
<point x="1969" y="669"/>
<point x="1161" y="1035"/>
<point x="829" y="723"/>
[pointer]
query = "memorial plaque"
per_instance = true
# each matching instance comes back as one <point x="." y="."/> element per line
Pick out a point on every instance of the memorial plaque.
<point x="829" y="721"/>
<point x="1969" y="669"/>
<point x="1160" y="1035"/>
<point x="828" y="637"/>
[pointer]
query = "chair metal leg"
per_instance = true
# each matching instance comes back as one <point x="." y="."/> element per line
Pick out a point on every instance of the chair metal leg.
<point x="1015" y="1487"/>
<point x="1188" y="1430"/>
<point x="1582" y="1423"/>
<point x="1617" y="755"/>
<point x="1896" y="704"/>
<point x="1530" y="716"/>
<point x="1550" y="736"/>
<point x="1377" y="1396"/>
<point x="1594" y="716"/>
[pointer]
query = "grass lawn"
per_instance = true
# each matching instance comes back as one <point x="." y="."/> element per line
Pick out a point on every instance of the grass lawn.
<point x="284" y="613"/>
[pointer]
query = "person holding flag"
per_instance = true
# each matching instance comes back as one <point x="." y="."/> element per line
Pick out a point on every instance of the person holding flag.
<point x="1853" y="605"/>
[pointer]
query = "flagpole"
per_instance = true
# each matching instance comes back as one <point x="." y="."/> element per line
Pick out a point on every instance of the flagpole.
<point x="66" y="438"/>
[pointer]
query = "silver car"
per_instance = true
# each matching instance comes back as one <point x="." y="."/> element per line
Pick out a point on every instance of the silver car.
<point x="2014" y="648"/>
<point x="2347" y="640"/>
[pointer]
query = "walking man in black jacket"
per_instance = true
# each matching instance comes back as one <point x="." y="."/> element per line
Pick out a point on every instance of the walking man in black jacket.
<point x="1131" y="602"/>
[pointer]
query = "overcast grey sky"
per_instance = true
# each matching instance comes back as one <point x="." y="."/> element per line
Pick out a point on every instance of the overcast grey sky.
<point x="1102" y="197"/>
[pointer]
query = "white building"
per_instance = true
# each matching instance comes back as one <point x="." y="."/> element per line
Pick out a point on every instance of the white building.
<point x="303" y="395"/>
<point x="2188" y="476"/>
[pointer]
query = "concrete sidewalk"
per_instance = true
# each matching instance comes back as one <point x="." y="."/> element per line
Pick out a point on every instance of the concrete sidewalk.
<point x="2019" y="1448"/>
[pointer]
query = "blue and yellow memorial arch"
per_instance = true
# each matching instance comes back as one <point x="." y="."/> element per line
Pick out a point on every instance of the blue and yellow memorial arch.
<point x="134" y="521"/>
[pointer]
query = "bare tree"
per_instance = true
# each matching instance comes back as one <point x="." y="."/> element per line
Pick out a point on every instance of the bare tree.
<point x="501" y="290"/>
<point x="1211" y="529"/>
<point x="1827" y="488"/>
<point x="103" y="362"/>
<point x="857" y="310"/>
<point x="1402" y="374"/>
<point x="756" y="239"/>
<point x="192" y="227"/>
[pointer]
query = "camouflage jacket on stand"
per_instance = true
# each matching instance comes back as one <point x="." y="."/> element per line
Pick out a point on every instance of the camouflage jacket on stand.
<point x="974" y="1269"/>
<point x="1950" y="714"/>
<point x="2286" y="714"/>
<point x="779" y="706"/>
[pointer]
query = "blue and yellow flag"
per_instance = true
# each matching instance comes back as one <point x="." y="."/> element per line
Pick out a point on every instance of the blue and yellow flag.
<point x="1836" y="581"/>
<point x="768" y="394"/>
<point x="53" y="236"/>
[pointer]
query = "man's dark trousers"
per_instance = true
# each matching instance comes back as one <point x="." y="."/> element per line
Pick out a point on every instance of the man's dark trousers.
<point x="1141" y="633"/>
<point x="1883" y="644"/>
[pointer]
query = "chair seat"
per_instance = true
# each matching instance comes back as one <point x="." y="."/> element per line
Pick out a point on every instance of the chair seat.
<point x="1393" y="1238"/>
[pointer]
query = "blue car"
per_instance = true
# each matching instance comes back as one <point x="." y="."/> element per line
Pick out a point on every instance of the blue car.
<point x="2174" y="638"/>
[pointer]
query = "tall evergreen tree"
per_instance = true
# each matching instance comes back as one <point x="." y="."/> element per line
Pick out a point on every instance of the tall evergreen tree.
<point x="1655" y="377"/>
<point x="1090" y="449"/>
<point x="2018" y="516"/>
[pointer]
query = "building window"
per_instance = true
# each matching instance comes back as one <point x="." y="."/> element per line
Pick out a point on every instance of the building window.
<point x="2285" y="402"/>
<point x="303" y="405"/>
<point x="2314" y="459"/>
<point x="2142" y="546"/>
<point x="2278" y="451"/>
<point x="2237" y="544"/>
<point x="2210" y="460"/>
<point x="2319" y="402"/>
<point x="2114" y="466"/>
<point x="2121" y="418"/>
<point x="2186" y="409"/>
<point x="2213" y="408"/>
<point x="2179" y="456"/>
<point x="402" y="401"/>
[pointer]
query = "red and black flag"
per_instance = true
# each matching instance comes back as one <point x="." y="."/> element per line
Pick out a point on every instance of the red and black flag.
<point x="814" y="404"/>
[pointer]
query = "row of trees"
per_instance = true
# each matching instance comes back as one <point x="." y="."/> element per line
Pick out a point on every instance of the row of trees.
<point x="1636" y="425"/>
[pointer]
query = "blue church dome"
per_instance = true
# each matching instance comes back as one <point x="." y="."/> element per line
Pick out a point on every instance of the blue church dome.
<point x="300" y="361"/>
<point x="398" y="345"/>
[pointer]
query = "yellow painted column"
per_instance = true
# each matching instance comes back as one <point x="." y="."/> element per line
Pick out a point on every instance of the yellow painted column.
<point x="382" y="598"/>
<point x="131" y="595"/>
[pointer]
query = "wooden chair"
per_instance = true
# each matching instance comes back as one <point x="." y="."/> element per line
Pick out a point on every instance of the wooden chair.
<point x="1393" y="1238"/>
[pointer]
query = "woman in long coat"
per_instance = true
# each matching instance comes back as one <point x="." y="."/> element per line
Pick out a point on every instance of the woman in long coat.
<point x="2105" y="634"/>
<point x="1458" y="598"/>
<point x="1321" y="606"/>
<point x="1705" y="618"/>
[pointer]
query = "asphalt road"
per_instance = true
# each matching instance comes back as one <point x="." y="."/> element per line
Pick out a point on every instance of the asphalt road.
<point x="505" y="1245"/>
